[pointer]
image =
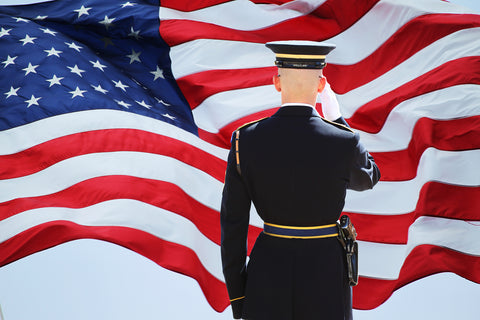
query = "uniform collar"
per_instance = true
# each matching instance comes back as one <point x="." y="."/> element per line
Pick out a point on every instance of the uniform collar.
<point x="297" y="109"/>
<point x="297" y="104"/>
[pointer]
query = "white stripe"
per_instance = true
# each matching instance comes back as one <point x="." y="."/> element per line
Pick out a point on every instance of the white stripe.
<point x="198" y="184"/>
<point x="125" y="213"/>
<point x="450" y="103"/>
<point x="384" y="261"/>
<point x="398" y="197"/>
<point x="460" y="44"/>
<point x="29" y="135"/>
<point x="211" y="54"/>
<point x="379" y="24"/>
<point x="22" y="2"/>
<point x="225" y="107"/>
<point x="245" y="15"/>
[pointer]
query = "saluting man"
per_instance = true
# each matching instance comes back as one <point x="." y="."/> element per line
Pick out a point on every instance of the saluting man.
<point x="295" y="167"/>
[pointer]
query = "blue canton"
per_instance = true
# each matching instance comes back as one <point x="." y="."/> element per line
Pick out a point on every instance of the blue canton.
<point x="68" y="55"/>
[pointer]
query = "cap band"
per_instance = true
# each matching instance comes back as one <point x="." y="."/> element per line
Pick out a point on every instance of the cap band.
<point x="300" y="64"/>
<point x="299" y="56"/>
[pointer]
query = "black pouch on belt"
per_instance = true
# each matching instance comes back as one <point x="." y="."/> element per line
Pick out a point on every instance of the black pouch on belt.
<point x="347" y="237"/>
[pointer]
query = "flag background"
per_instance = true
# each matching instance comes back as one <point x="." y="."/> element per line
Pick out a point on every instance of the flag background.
<point x="97" y="280"/>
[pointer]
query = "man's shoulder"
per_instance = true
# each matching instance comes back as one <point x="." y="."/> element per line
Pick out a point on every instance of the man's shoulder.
<point x="338" y="125"/>
<point x="251" y="123"/>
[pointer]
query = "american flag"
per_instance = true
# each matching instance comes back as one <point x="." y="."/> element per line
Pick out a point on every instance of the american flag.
<point x="115" y="122"/>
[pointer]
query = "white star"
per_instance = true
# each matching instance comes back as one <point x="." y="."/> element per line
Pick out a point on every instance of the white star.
<point x="40" y="18"/>
<point x="53" y="52"/>
<point x="127" y="4"/>
<point x="99" y="89"/>
<point x="143" y="104"/>
<point x="74" y="46"/>
<point x="162" y="102"/>
<point x="98" y="65"/>
<point x="134" y="33"/>
<point x="27" y="39"/>
<point x="157" y="74"/>
<point x="54" y="80"/>
<point x="166" y="115"/>
<point x="76" y="70"/>
<point x="5" y="32"/>
<point x="30" y="69"/>
<point x="77" y="93"/>
<point x="12" y="92"/>
<point x="135" y="56"/>
<point x="20" y="19"/>
<point x="82" y="11"/>
<point x="107" y="22"/>
<point x="32" y="101"/>
<point x="120" y="85"/>
<point x="123" y="104"/>
<point x="46" y="30"/>
<point x="9" y="60"/>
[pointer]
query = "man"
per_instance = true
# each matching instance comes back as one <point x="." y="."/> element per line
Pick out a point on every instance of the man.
<point x="295" y="167"/>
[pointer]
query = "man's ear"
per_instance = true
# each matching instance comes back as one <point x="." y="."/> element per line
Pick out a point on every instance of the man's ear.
<point x="276" y="82"/>
<point x="322" y="83"/>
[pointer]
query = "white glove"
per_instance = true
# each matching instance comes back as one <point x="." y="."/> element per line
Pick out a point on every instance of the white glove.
<point x="330" y="106"/>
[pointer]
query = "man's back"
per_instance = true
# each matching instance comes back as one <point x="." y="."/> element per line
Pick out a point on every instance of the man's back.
<point x="297" y="166"/>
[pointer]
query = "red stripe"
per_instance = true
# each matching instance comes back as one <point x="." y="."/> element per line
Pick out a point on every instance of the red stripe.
<point x="327" y="6"/>
<point x="176" y="32"/>
<point x="398" y="48"/>
<point x="199" y="86"/>
<point x="48" y="153"/>
<point x="450" y="135"/>
<point x="169" y="255"/>
<point x="436" y="199"/>
<point x="372" y="116"/>
<point x="222" y="138"/>
<point x="190" y="5"/>
<point x="423" y="261"/>
<point x="341" y="15"/>
<point x="161" y="194"/>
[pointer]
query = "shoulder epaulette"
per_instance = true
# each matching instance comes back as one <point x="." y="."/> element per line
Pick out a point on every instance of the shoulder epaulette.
<point x="339" y="125"/>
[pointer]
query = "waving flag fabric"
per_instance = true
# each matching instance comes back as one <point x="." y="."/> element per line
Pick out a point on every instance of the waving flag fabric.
<point x="115" y="122"/>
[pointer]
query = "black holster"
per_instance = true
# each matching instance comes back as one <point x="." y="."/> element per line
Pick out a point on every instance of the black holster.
<point x="347" y="236"/>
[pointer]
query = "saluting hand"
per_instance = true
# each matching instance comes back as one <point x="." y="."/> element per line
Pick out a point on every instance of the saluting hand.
<point x="330" y="106"/>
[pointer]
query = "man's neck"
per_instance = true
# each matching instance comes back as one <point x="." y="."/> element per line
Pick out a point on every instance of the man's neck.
<point x="310" y="99"/>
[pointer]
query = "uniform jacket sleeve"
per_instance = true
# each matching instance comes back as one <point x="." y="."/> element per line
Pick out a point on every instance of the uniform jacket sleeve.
<point x="364" y="172"/>
<point x="234" y="220"/>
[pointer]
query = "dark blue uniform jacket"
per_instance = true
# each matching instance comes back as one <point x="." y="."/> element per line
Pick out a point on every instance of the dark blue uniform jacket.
<point x="295" y="168"/>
